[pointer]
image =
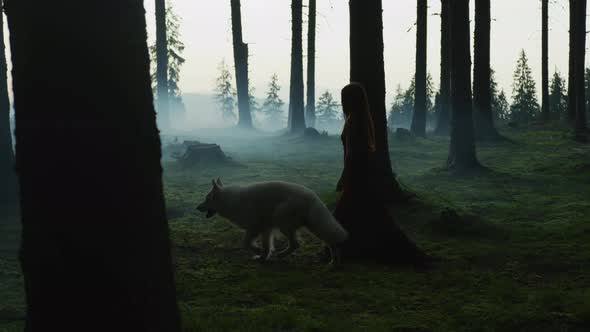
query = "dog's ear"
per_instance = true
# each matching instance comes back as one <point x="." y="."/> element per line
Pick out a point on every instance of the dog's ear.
<point x="219" y="182"/>
<point x="215" y="186"/>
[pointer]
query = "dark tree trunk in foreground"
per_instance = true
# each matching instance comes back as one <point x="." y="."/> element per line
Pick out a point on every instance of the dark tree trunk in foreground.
<point x="241" y="64"/>
<point x="571" y="86"/>
<point x="162" y="65"/>
<point x="419" y="117"/>
<point x="367" y="68"/>
<point x="580" y="127"/>
<point x="311" y="64"/>
<point x="95" y="249"/>
<point x="462" y="150"/>
<point x="296" y="97"/>
<point x="8" y="180"/>
<point x="545" y="111"/>
<point x="444" y="113"/>
<point x="484" y="119"/>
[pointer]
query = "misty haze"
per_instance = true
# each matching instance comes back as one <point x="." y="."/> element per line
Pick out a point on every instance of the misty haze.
<point x="294" y="165"/>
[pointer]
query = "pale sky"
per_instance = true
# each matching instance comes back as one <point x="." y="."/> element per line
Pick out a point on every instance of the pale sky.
<point x="207" y="33"/>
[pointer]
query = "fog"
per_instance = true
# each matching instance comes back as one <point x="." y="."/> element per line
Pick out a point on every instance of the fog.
<point x="515" y="26"/>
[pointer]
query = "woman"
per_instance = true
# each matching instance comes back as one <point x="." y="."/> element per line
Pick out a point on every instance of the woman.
<point x="374" y="236"/>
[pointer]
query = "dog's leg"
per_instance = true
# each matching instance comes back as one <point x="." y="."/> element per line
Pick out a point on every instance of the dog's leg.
<point x="293" y="244"/>
<point x="335" y="255"/>
<point x="266" y="246"/>
<point x="249" y="243"/>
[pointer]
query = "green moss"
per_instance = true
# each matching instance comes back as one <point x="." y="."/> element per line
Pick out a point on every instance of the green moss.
<point x="516" y="259"/>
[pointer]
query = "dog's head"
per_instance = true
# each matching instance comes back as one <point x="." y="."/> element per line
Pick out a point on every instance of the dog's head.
<point x="211" y="203"/>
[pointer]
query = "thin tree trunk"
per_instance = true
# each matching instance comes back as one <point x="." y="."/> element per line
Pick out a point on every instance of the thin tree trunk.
<point x="571" y="86"/>
<point x="241" y="64"/>
<point x="162" y="65"/>
<point x="484" y="118"/>
<point x="95" y="252"/>
<point x="296" y="100"/>
<point x="311" y="64"/>
<point x="443" y="121"/>
<point x="367" y="68"/>
<point x="581" y="130"/>
<point x="419" y="117"/>
<point x="8" y="180"/>
<point x="462" y="154"/>
<point x="545" y="108"/>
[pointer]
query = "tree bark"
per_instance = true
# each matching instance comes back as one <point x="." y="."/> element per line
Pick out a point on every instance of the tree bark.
<point x="545" y="108"/>
<point x="419" y="117"/>
<point x="95" y="252"/>
<point x="571" y="85"/>
<point x="484" y="119"/>
<point x="296" y="100"/>
<point x="367" y="68"/>
<point x="462" y="154"/>
<point x="580" y="127"/>
<point x="8" y="193"/>
<point x="241" y="64"/>
<point x="162" y="65"/>
<point x="444" y="113"/>
<point x="311" y="118"/>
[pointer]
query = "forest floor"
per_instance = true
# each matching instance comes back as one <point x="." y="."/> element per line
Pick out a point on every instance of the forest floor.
<point x="520" y="263"/>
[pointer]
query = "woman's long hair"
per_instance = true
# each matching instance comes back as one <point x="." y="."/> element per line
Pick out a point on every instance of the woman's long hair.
<point x="355" y="105"/>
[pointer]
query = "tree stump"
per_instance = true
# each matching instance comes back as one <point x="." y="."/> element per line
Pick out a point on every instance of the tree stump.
<point x="197" y="153"/>
<point x="403" y="135"/>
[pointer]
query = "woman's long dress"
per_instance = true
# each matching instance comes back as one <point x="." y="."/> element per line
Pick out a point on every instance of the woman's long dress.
<point x="374" y="235"/>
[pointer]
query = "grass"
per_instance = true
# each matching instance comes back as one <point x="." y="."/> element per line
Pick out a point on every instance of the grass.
<point x="519" y="261"/>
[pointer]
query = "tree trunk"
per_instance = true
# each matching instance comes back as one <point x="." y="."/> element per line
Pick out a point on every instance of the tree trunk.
<point x="545" y="108"/>
<point x="241" y="64"/>
<point x="571" y="86"/>
<point x="311" y="64"/>
<point x="296" y="100"/>
<point x="162" y="65"/>
<point x="95" y="252"/>
<point x="367" y="68"/>
<point x="8" y="180"/>
<point x="581" y="130"/>
<point x="419" y="117"/>
<point x="444" y="113"/>
<point x="484" y="118"/>
<point x="462" y="149"/>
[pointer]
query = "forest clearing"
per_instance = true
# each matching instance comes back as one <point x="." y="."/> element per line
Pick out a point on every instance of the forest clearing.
<point x="520" y="263"/>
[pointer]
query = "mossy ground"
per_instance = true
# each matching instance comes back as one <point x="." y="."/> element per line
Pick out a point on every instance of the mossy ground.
<point x="519" y="262"/>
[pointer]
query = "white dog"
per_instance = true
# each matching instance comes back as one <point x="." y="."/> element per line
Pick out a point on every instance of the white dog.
<point x="263" y="207"/>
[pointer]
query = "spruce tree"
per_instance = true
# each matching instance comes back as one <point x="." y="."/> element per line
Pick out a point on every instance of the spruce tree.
<point x="580" y="124"/>
<point x="444" y="111"/>
<point x="162" y="64"/>
<point x="310" y="113"/>
<point x="225" y="94"/>
<point x="524" y="106"/>
<point x="8" y="181"/>
<point x="273" y="105"/>
<point x="327" y="109"/>
<point x="403" y="108"/>
<point x="367" y="68"/>
<point x="501" y="107"/>
<point x="241" y="67"/>
<point x="482" y="97"/>
<point x="545" y="99"/>
<point x="558" y="97"/>
<point x="176" y="60"/>
<point x="418" y="126"/>
<point x="96" y="253"/>
<point x="296" y="122"/>
<point x="462" y="154"/>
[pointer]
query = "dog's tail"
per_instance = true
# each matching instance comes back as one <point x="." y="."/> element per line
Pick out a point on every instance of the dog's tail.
<point x="323" y="225"/>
